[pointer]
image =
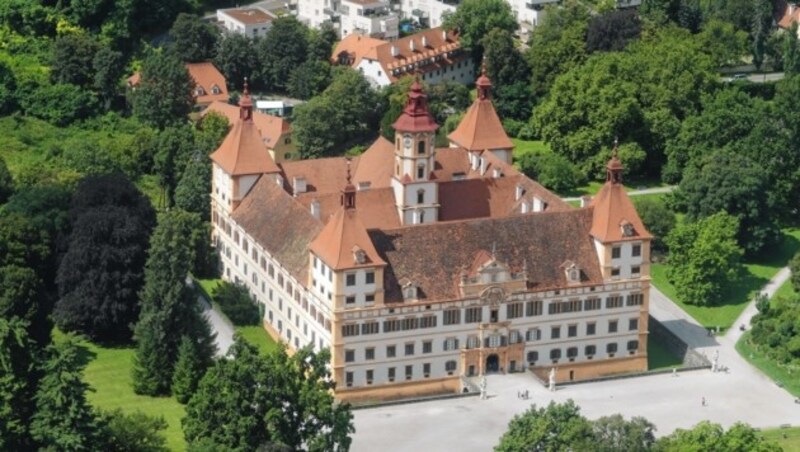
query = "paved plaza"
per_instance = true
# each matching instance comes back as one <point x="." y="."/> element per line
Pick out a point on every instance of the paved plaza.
<point x="471" y="424"/>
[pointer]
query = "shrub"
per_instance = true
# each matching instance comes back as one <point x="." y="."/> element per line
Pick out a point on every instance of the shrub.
<point x="236" y="302"/>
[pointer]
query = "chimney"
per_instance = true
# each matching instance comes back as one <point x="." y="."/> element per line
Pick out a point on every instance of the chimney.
<point x="519" y="192"/>
<point x="524" y="206"/>
<point x="496" y="173"/>
<point x="424" y="41"/>
<point x="444" y="35"/>
<point x="315" y="208"/>
<point x="299" y="185"/>
<point x="484" y="165"/>
<point x="538" y="205"/>
<point x="585" y="200"/>
<point x="411" y="45"/>
<point x="394" y="51"/>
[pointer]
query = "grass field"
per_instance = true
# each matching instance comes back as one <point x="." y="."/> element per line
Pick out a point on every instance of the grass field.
<point x="658" y="357"/>
<point x="108" y="372"/>
<point x="757" y="272"/>
<point x="787" y="438"/>
<point x="790" y="379"/>
<point x="785" y="290"/>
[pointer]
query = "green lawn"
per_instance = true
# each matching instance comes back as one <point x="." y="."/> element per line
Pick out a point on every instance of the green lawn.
<point x="757" y="273"/>
<point x="658" y="357"/>
<point x="522" y="147"/>
<point x="787" y="438"/>
<point x="785" y="290"/>
<point x="773" y="370"/>
<point x="109" y="373"/>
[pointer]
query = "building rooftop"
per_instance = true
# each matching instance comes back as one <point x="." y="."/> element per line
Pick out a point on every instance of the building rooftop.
<point x="250" y="16"/>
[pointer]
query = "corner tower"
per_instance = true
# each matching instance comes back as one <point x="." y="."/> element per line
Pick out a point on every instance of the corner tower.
<point x="416" y="192"/>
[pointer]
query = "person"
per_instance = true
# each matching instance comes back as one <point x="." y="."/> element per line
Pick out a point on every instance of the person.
<point x="703" y="401"/>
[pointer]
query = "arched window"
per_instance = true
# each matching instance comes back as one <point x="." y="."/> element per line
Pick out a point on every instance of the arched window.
<point x="421" y="147"/>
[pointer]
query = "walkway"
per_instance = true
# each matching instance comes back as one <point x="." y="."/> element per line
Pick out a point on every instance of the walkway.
<point x="470" y="424"/>
<point x="644" y="191"/>
<point x="219" y="325"/>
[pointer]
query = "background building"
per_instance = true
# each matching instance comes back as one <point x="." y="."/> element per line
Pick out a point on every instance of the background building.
<point x="420" y="267"/>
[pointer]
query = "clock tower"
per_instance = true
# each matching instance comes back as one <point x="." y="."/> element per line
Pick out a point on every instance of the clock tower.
<point x="416" y="192"/>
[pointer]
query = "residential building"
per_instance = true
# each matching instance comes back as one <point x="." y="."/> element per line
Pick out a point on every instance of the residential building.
<point x="434" y="54"/>
<point x="249" y="21"/>
<point x="276" y="132"/>
<point x="428" y="13"/>
<point x="420" y="267"/>
<point x="209" y="83"/>
<point x="374" y="18"/>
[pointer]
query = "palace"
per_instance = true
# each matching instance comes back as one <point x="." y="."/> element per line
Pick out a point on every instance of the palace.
<point x="419" y="267"/>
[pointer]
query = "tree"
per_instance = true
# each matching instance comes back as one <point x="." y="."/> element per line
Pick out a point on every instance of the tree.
<point x="8" y="88"/>
<point x="309" y="79"/>
<point x="296" y="410"/>
<point x="175" y="150"/>
<point x="193" y="38"/>
<point x="556" y="427"/>
<point x="704" y="258"/>
<point x="614" y="433"/>
<point x="101" y="273"/>
<point x="791" y="51"/>
<point x="169" y="308"/>
<point x="612" y="30"/>
<point x="657" y="218"/>
<point x="164" y="93"/>
<point x="474" y="19"/>
<point x="237" y="304"/>
<point x="22" y="296"/>
<point x="551" y="170"/>
<point x="108" y="66"/>
<point x="510" y="75"/>
<point x="73" y="54"/>
<point x="193" y="190"/>
<point x="210" y="131"/>
<point x="18" y="381"/>
<point x="794" y="266"/>
<point x="556" y="45"/>
<point x="723" y="42"/>
<point x="236" y="59"/>
<point x="708" y="436"/>
<point x="60" y="104"/>
<point x="188" y="371"/>
<point x="135" y="432"/>
<point x="64" y="420"/>
<point x="762" y="25"/>
<point x="282" y="49"/>
<point x="349" y="102"/>
<point x="733" y="183"/>
<point x="320" y="42"/>
<point x="6" y="182"/>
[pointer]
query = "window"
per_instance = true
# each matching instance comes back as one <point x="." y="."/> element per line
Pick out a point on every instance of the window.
<point x="615" y="272"/>
<point x="572" y="330"/>
<point x="351" y="279"/>
<point x="591" y="329"/>
<point x="616" y="252"/>
<point x="390" y="374"/>
<point x="420" y="196"/>
<point x="514" y="337"/>
<point x="473" y="341"/>
<point x="370" y="374"/>
<point x="391" y="351"/>
<point x="473" y="315"/>
<point x="410" y="349"/>
<point x="533" y="308"/>
<point x="636" y="270"/>
<point x="452" y="316"/>
<point x="370" y="277"/>
<point x="633" y="346"/>
<point x="533" y="334"/>
<point x="494" y="341"/>
<point x="350" y="299"/>
<point x="533" y="357"/>
<point x="421" y="172"/>
<point x="390" y="326"/>
<point x="427" y="347"/>
<point x="555" y="354"/>
<point x="633" y="324"/>
<point x="592" y="304"/>
<point x="426" y="370"/>
<point x="555" y="332"/>
<point x="348" y="378"/>
<point x="349" y="330"/>
<point x="450" y="367"/>
<point x="370" y="328"/>
<point x="450" y="343"/>
<point x="428" y="321"/>
<point x="409" y="372"/>
<point x="614" y="301"/>
<point x="636" y="251"/>
<point x="514" y="310"/>
<point x="349" y="356"/>
<point x="612" y="326"/>
<point x="369" y="298"/>
<point x="572" y="353"/>
<point x="611" y="349"/>
<point x="369" y="353"/>
<point x="590" y="351"/>
<point x="409" y="323"/>
<point x="635" y="299"/>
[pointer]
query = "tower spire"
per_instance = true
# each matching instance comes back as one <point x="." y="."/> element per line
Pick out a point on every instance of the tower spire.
<point x="349" y="192"/>
<point x="614" y="167"/>
<point x="483" y="83"/>
<point x="246" y="104"/>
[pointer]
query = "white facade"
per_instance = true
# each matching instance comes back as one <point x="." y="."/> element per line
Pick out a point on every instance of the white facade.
<point x="427" y="12"/>
<point x="251" y="22"/>
<point x="460" y="72"/>
<point x="316" y="12"/>
<point x="374" y="19"/>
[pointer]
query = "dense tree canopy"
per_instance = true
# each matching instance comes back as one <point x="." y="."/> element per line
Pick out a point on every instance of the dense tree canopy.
<point x="73" y="54"/>
<point x="613" y="30"/>
<point x="657" y="217"/>
<point x="18" y="381"/>
<point x="283" y="48"/>
<point x="236" y="59"/>
<point x="164" y="93"/>
<point x="101" y="273"/>
<point x="555" y="427"/>
<point x="510" y="75"/>
<point x="231" y="411"/>
<point x="708" y="436"/>
<point x="704" y="258"/>
<point x="193" y="38"/>
<point x="474" y="19"/>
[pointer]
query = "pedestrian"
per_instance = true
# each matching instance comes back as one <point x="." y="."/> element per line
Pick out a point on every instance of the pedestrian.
<point x="703" y="401"/>
<point x="518" y="395"/>
<point x="527" y="396"/>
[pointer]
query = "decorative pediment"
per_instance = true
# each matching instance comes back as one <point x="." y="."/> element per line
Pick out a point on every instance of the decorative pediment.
<point x="572" y="272"/>
<point x="493" y="295"/>
<point x="410" y="290"/>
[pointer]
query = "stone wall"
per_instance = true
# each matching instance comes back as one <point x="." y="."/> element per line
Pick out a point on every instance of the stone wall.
<point x="691" y="358"/>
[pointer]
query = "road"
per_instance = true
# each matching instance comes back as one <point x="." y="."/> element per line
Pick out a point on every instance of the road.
<point x="670" y="402"/>
<point x="757" y="78"/>
<point x="640" y="192"/>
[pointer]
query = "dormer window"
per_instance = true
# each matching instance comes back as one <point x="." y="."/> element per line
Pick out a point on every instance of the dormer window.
<point x="359" y="256"/>
<point x="199" y="91"/>
<point x="215" y="90"/>
<point x="409" y="290"/>
<point x="627" y="229"/>
<point x="572" y="272"/>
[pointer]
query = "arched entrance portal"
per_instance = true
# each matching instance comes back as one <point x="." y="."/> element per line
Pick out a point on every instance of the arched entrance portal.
<point x="492" y="363"/>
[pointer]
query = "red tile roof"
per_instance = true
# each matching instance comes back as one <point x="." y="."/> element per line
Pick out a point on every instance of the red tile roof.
<point x="416" y="117"/>
<point x="613" y="209"/>
<point x="243" y="151"/>
<point x="272" y="128"/>
<point x="206" y="77"/>
<point x="481" y="128"/>
<point x="341" y="237"/>
<point x="249" y="15"/>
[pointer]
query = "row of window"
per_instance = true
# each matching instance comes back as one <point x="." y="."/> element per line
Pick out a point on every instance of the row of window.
<point x="589" y="352"/>
<point x="616" y="251"/>
<point x="450" y="368"/>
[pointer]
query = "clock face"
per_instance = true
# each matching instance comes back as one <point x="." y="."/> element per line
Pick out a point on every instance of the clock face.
<point x="407" y="140"/>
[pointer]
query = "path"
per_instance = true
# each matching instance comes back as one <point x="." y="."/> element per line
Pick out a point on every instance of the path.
<point x="644" y="191"/>
<point x="220" y="325"/>
<point x="470" y="424"/>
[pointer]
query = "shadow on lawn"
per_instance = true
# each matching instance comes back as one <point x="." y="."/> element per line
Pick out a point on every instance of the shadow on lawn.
<point x="85" y="354"/>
